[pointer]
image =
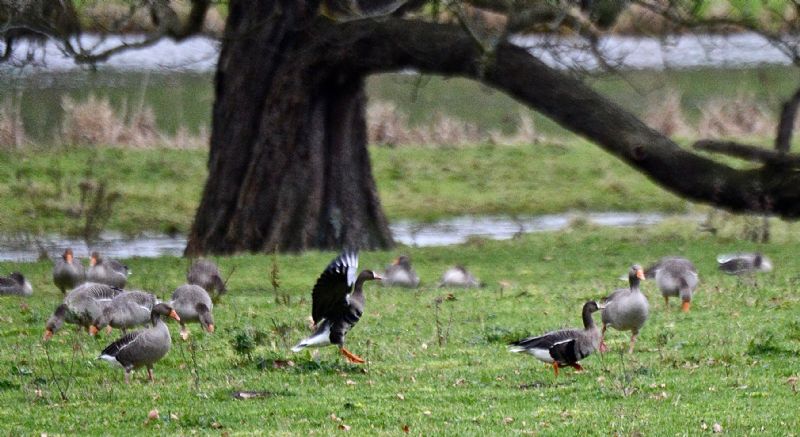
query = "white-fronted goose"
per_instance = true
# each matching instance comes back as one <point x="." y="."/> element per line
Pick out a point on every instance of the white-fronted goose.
<point x="107" y="271"/>
<point x="458" y="276"/>
<point x="744" y="263"/>
<point x="626" y="309"/>
<point x="338" y="302"/>
<point x="564" y="347"/>
<point x="205" y="273"/>
<point x="400" y="274"/>
<point x="81" y="306"/>
<point x="675" y="277"/>
<point x="15" y="285"/>
<point x="144" y="347"/>
<point x="193" y="304"/>
<point x="68" y="272"/>
<point x="127" y="310"/>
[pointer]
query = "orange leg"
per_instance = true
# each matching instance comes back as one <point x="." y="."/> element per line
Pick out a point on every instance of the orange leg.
<point x="666" y="303"/>
<point x="633" y="342"/>
<point x="685" y="306"/>
<point x="150" y="374"/>
<point x="603" y="347"/>
<point x="353" y="358"/>
<point x="555" y="368"/>
<point x="577" y="367"/>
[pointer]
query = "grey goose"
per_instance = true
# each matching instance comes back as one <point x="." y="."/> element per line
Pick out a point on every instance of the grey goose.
<point x="337" y="304"/>
<point x="81" y="306"/>
<point x="401" y="274"/>
<point x="744" y="263"/>
<point x="626" y="309"/>
<point x="458" y="276"/>
<point x="107" y="271"/>
<point x="193" y="304"/>
<point x="675" y="277"/>
<point x="564" y="347"/>
<point x="205" y="273"/>
<point x="142" y="348"/>
<point x="15" y="285"/>
<point x="126" y="310"/>
<point x="68" y="272"/>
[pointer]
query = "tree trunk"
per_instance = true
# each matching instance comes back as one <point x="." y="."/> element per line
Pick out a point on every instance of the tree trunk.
<point x="289" y="168"/>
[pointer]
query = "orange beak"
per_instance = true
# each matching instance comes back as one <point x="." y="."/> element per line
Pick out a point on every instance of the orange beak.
<point x="174" y="315"/>
<point x="640" y="274"/>
<point x="93" y="330"/>
<point x="69" y="258"/>
<point x="396" y="261"/>
<point x="377" y="277"/>
<point x="685" y="307"/>
<point x="93" y="261"/>
<point x="48" y="334"/>
<point x="211" y="328"/>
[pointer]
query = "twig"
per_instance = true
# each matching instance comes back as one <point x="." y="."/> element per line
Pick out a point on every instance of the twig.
<point x="748" y="152"/>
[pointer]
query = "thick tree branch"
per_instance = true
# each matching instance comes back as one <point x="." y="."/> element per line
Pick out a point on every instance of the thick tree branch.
<point x="783" y="139"/>
<point x="398" y="44"/>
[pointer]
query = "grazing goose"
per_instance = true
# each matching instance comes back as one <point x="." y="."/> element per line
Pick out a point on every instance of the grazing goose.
<point x="81" y="306"/>
<point x="338" y="303"/>
<point x="68" y="272"/>
<point x="401" y="274"/>
<point x="626" y="309"/>
<point x="744" y="263"/>
<point x="127" y="310"/>
<point x="144" y="347"/>
<point x="206" y="274"/>
<point x="675" y="277"/>
<point x="193" y="304"/>
<point x="564" y="347"/>
<point x="458" y="276"/>
<point x="107" y="271"/>
<point x="15" y="285"/>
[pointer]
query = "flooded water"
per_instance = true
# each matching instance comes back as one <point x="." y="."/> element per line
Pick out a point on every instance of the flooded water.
<point x="440" y="233"/>
<point x="200" y="54"/>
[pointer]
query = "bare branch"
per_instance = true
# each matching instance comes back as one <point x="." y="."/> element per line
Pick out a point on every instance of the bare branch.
<point x="748" y="152"/>
<point x="783" y="139"/>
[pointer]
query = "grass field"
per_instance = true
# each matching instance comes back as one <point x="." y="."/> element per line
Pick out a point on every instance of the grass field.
<point x="160" y="189"/>
<point x="731" y="361"/>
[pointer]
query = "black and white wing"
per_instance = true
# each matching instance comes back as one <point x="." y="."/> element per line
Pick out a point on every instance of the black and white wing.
<point x="330" y="295"/>
<point x="119" y="351"/>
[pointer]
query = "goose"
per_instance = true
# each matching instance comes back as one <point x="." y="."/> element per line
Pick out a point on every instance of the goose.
<point x="458" y="276"/>
<point x="15" y="285"/>
<point x="744" y="263"/>
<point x="193" y="304"/>
<point x="81" y="306"/>
<point x="126" y="310"/>
<point x="626" y="309"/>
<point x="107" y="271"/>
<point x="675" y="277"/>
<point x="401" y="274"/>
<point x="564" y="347"/>
<point x="206" y="274"/>
<point x="144" y="347"/>
<point x="68" y="272"/>
<point x="337" y="304"/>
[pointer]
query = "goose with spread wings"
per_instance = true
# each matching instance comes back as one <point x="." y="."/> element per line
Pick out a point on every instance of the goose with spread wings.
<point x="338" y="303"/>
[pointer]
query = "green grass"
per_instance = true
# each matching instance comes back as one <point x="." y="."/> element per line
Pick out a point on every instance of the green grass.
<point x="726" y="362"/>
<point x="160" y="189"/>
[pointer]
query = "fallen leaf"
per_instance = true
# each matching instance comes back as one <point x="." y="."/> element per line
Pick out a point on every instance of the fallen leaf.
<point x="406" y="429"/>
<point x="152" y="415"/>
<point x="344" y="427"/>
<point x="717" y="428"/>
<point x="173" y="416"/>
<point x="703" y="426"/>
<point x="216" y="425"/>
<point x="333" y="417"/>
<point x="508" y="420"/>
<point x="281" y="364"/>
<point x="401" y="397"/>
<point x="427" y="412"/>
<point x="424" y="346"/>
<point x="459" y="381"/>
<point x="350" y="382"/>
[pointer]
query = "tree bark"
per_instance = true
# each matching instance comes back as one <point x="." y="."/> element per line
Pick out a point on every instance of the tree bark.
<point x="288" y="164"/>
<point x="288" y="168"/>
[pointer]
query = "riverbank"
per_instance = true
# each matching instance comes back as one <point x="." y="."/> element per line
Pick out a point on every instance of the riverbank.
<point x="157" y="190"/>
